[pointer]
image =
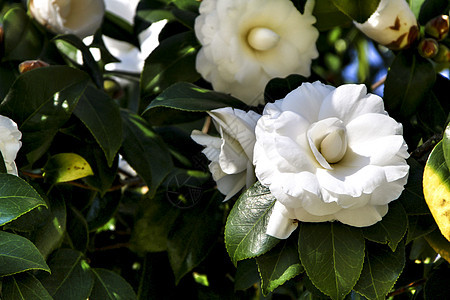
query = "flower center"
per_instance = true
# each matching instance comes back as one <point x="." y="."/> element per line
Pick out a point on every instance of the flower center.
<point x="262" y="39"/>
<point x="328" y="141"/>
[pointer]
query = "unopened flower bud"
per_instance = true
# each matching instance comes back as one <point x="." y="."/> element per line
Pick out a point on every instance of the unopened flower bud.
<point x="438" y="27"/>
<point x="443" y="55"/>
<point x="31" y="64"/>
<point x="428" y="48"/>
<point x="393" y="25"/>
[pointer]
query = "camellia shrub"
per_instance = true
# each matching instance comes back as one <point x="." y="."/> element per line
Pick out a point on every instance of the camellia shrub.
<point x="224" y="149"/>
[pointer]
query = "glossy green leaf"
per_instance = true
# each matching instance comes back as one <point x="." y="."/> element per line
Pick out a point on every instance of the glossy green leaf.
<point x="102" y="209"/>
<point x="333" y="256"/>
<point x="391" y="229"/>
<point x="279" y="265"/>
<point x="77" y="230"/>
<point x="409" y="79"/>
<point x="446" y="146"/>
<point x="194" y="234"/>
<point x="144" y="150"/>
<point x="17" y="198"/>
<point x="117" y="28"/>
<point x="184" y="102"/>
<point x="110" y="286"/>
<point x="245" y="233"/>
<point x="22" y="40"/>
<point x="23" y="286"/>
<point x="431" y="9"/>
<point x="2" y="164"/>
<point x="247" y="274"/>
<point x="18" y="254"/>
<point x="439" y="243"/>
<point x="419" y="226"/>
<point x="71" y="276"/>
<point x="329" y="16"/>
<point x="415" y="6"/>
<point x="100" y="114"/>
<point x="278" y="88"/>
<point x="382" y="267"/>
<point x="64" y="167"/>
<point x="412" y="197"/>
<point x="7" y="77"/>
<point x="436" y="189"/>
<point x="172" y="61"/>
<point x="40" y="102"/>
<point x="358" y="10"/>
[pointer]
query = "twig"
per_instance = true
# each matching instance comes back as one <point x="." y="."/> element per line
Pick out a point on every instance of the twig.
<point x="427" y="146"/>
<point x="378" y="83"/>
<point x="206" y="125"/>
<point x="406" y="288"/>
<point x="113" y="247"/>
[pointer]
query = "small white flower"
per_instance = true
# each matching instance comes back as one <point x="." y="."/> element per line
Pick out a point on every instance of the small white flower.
<point x="393" y="24"/>
<point x="329" y="154"/>
<point x="248" y="42"/>
<point x="231" y="154"/>
<point x="9" y="143"/>
<point x="79" y="17"/>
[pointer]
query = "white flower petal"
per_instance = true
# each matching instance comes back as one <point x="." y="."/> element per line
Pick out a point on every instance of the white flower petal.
<point x="279" y="225"/>
<point x="302" y="215"/>
<point x="363" y="216"/>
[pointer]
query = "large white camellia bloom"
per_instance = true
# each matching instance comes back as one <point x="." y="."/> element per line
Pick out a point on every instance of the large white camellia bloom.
<point x="329" y="154"/>
<point x="231" y="154"/>
<point x="9" y="143"/>
<point x="248" y="42"/>
<point x="393" y="24"/>
<point x="79" y="17"/>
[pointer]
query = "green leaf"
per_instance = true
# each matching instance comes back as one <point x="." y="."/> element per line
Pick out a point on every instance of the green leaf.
<point x="279" y="265"/>
<point x="437" y="287"/>
<point x="23" y="286"/>
<point x="439" y="243"/>
<point x="64" y="167"/>
<point x="358" y="10"/>
<point x="77" y="235"/>
<point x="329" y="16"/>
<point x="102" y="209"/>
<point x="333" y="256"/>
<point x="117" y="28"/>
<point x="100" y="114"/>
<point x="412" y="197"/>
<point x="17" y="198"/>
<point x="382" y="267"/>
<point x="436" y="189"/>
<point x="415" y="6"/>
<point x="22" y="40"/>
<point x="3" y="168"/>
<point x="40" y="102"/>
<point x="183" y="102"/>
<point x="245" y="230"/>
<point x="391" y="229"/>
<point x="172" y="61"/>
<point x="446" y="146"/>
<point x="7" y="77"/>
<point x="409" y="79"/>
<point x="278" y="88"/>
<point x="419" y="226"/>
<point x="431" y="9"/>
<point x="71" y="276"/>
<point x="194" y="233"/>
<point x="246" y="274"/>
<point x="17" y="254"/>
<point x="110" y="286"/>
<point x="144" y="150"/>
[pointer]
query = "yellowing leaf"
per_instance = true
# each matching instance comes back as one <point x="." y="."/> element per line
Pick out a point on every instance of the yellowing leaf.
<point x="436" y="189"/>
<point x="64" y="167"/>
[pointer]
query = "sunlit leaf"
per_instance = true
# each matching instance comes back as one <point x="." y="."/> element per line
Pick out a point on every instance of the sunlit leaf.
<point x="439" y="243"/>
<point x="64" y="167"/>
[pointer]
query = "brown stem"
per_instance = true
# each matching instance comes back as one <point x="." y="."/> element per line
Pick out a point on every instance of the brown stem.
<point x="406" y="288"/>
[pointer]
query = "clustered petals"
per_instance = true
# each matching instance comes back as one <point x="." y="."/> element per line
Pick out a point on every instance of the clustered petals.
<point x="9" y="143"/>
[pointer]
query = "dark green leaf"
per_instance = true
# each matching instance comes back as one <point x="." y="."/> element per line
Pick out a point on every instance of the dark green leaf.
<point x="117" y="28"/>
<point x="391" y="229"/>
<point x="41" y="101"/>
<point x="191" y="5"/>
<point x="110" y="286"/>
<point x="77" y="230"/>
<point x="23" y="286"/>
<point x="144" y="150"/>
<point x="172" y="61"/>
<point x="246" y="274"/>
<point x="329" y="16"/>
<point x="412" y="197"/>
<point x="156" y="15"/>
<point x="245" y="233"/>
<point x="7" y="77"/>
<point x="22" y="40"/>
<point x="102" y="209"/>
<point x="17" y="198"/>
<point x="437" y="286"/>
<point x="194" y="233"/>
<point x="300" y="5"/>
<point x="431" y="9"/>
<point x="278" y="88"/>
<point x="419" y="226"/>
<point x="409" y="80"/>
<point x="64" y="167"/>
<point x="184" y="102"/>
<point x="333" y="256"/>
<point x="101" y="116"/>
<point x="71" y="276"/>
<point x="17" y="254"/>
<point x="439" y="243"/>
<point x="382" y="267"/>
<point x="279" y="265"/>
<point x="2" y="164"/>
<point x="358" y="10"/>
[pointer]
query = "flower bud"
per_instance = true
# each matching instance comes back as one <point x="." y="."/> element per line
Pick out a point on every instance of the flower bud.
<point x="112" y="88"/>
<point x="443" y="55"/>
<point x="438" y="27"/>
<point x="393" y="25"/>
<point x="79" y="17"/>
<point x="428" y="48"/>
<point x="29" y="65"/>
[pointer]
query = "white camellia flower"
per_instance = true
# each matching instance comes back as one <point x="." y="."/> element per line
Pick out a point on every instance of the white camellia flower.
<point x="79" y="17"/>
<point x="393" y="25"/>
<point x="248" y="42"/>
<point x="329" y="154"/>
<point x="9" y="143"/>
<point x="231" y="154"/>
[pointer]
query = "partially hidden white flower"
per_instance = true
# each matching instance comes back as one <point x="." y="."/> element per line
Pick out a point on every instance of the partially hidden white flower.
<point x="329" y="154"/>
<point x="79" y="17"/>
<point x="393" y="25"/>
<point x="9" y="143"/>
<point x="231" y="154"/>
<point x="248" y="42"/>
